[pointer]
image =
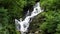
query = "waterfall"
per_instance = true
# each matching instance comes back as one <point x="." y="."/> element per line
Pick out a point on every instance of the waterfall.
<point x="23" y="25"/>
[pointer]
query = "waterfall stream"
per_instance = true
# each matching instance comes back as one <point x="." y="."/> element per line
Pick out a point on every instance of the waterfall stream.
<point x="23" y="25"/>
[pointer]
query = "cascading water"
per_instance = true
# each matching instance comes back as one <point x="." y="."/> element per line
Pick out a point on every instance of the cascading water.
<point x="23" y="26"/>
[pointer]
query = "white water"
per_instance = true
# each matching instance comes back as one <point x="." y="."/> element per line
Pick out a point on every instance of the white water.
<point x="23" y="26"/>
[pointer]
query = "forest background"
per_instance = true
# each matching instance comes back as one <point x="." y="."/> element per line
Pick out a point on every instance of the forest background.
<point x="47" y="22"/>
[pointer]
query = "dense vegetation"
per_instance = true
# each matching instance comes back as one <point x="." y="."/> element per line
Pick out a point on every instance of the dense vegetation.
<point x="47" y="22"/>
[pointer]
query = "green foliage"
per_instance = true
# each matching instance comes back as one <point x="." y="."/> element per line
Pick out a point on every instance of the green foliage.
<point x="52" y="17"/>
<point x="3" y="21"/>
<point x="48" y="22"/>
<point x="10" y="10"/>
